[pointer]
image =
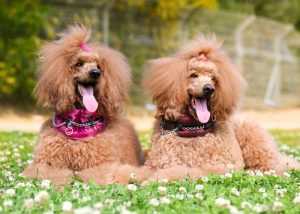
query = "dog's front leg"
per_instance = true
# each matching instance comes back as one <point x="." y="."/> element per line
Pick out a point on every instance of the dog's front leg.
<point x="114" y="173"/>
<point x="58" y="176"/>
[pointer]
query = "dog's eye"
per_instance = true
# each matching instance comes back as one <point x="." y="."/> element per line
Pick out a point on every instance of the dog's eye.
<point x="79" y="64"/>
<point x="99" y="67"/>
<point x="194" y="75"/>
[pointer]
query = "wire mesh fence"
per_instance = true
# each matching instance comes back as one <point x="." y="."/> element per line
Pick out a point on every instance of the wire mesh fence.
<point x="265" y="50"/>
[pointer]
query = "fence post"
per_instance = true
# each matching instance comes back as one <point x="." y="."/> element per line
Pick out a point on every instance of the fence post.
<point x="274" y="87"/>
<point x="238" y="35"/>
<point x="106" y="22"/>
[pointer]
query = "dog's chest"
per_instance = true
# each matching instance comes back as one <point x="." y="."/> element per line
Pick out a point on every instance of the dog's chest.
<point x="211" y="149"/>
<point x="84" y="155"/>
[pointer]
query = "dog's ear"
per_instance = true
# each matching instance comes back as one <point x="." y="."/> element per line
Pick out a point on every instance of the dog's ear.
<point x="166" y="82"/>
<point x="114" y="82"/>
<point x="230" y="86"/>
<point x="54" y="87"/>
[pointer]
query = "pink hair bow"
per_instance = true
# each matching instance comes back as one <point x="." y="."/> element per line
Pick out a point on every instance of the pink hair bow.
<point x="85" y="47"/>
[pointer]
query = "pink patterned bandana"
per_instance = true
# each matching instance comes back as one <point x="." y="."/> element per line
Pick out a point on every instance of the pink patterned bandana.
<point x="79" y="123"/>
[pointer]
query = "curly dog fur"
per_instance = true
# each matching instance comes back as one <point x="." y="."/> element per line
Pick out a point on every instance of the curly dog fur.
<point x="174" y="83"/>
<point x="59" y="158"/>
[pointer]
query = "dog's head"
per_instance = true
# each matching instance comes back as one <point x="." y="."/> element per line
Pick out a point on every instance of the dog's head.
<point x="199" y="80"/>
<point x="74" y="74"/>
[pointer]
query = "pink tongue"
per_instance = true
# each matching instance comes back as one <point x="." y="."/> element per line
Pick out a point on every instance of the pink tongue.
<point x="88" y="98"/>
<point x="201" y="109"/>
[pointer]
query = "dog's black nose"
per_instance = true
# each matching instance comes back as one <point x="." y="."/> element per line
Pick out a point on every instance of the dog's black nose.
<point x="94" y="74"/>
<point x="208" y="90"/>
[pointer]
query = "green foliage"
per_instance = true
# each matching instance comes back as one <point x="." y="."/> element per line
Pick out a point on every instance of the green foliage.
<point x="281" y="10"/>
<point x="20" y="28"/>
<point x="261" y="192"/>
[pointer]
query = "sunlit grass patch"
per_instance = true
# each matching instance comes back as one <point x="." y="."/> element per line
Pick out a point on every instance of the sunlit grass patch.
<point x="234" y="192"/>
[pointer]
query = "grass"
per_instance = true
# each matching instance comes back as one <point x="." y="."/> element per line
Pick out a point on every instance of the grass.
<point x="246" y="192"/>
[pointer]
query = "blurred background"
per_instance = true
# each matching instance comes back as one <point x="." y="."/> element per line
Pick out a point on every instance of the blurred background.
<point x="261" y="36"/>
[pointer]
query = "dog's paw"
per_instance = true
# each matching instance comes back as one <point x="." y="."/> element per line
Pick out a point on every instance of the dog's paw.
<point x="101" y="174"/>
<point x="41" y="171"/>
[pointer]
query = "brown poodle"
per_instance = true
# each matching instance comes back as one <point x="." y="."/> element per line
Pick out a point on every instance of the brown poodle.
<point x="85" y="85"/>
<point x="197" y="91"/>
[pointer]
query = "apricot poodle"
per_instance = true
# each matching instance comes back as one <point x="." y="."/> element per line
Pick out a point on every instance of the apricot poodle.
<point x="197" y="92"/>
<point x="85" y="85"/>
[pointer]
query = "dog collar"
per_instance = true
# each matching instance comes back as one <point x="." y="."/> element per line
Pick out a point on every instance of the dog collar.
<point x="186" y="127"/>
<point x="78" y="123"/>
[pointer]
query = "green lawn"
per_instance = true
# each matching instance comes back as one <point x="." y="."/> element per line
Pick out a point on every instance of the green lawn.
<point x="246" y="193"/>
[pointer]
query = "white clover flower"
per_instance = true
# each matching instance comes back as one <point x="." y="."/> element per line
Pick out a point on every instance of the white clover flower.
<point x="204" y="179"/>
<point x="179" y="196"/>
<point x="264" y="195"/>
<point x="41" y="197"/>
<point x="297" y="199"/>
<point x="163" y="181"/>
<point x="3" y="159"/>
<point x="133" y="176"/>
<point x="154" y="202"/>
<point x="162" y="190"/>
<point x="86" y="186"/>
<point x="286" y="174"/>
<point x="75" y="194"/>
<point x="235" y="191"/>
<point x="29" y="203"/>
<point x="259" y="208"/>
<point x="127" y="203"/>
<point x="10" y="192"/>
<point x="258" y="173"/>
<point x="98" y="206"/>
<point x="182" y="189"/>
<point x="165" y="200"/>
<point x="284" y="148"/>
<point x="86" y="198"/>
<point x="261" y="189"/>
<point x="199" y="196"/>
<point x="228" y="175"/>
<point x="199" y="187"/>
<point x="229" y="166"/>
<point x="109" y="202"/>
<point x="84" y="210"/>
<point x="45" y="184"/>
<point x="8" y="203"/>
<point x="131" y="187"/>
<point x="29" y="162"/>
<point x="271" y="173"/>
<point x="234" y="210"/>
<point x="28" y="184"/>
<point x="250" y="173"/>
<point x="20" y="184"/>
<point x="67" y="206"/>
<point x="246" y="204"/>
<point x="280" y="192"/>
<point x="277" y="206"/>
<point x="222" y="203"/>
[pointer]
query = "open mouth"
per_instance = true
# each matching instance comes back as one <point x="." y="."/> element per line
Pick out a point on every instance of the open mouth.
<point x="200" y="106"/>
<point x="86" y="92"/>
